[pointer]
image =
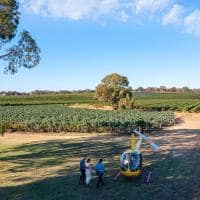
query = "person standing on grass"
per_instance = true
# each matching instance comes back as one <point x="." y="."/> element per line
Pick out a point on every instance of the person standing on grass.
<point x="88" y="172"/>
<point x="82" y="170"/>
<point x="100" y="168"/>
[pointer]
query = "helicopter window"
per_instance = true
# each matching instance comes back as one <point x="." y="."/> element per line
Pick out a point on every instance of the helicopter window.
<point x="130" y="161"/>
<point x="134" y="161"/>
<point x="124" y="161"/>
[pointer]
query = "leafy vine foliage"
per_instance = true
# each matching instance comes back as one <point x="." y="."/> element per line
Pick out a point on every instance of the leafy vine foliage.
<point x="58" y="118"/>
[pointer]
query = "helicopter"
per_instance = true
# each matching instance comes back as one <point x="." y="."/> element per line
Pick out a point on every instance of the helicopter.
<point x="131" y="160"/>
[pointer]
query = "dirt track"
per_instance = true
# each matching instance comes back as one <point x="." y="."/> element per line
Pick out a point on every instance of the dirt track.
<point x="183" y="136"/>
<point x="188" y="121"/>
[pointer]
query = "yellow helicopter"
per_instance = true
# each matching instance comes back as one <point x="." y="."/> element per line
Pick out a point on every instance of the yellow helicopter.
<point x="131" y="160"/>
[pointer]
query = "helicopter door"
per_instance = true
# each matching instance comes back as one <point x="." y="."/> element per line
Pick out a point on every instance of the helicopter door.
<point x="124" y="161"/>
<point x="135" y="161"/>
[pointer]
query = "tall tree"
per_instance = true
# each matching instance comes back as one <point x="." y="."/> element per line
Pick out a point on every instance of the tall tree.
<point x="25" y="53"/>
<point x="114" y="89"/>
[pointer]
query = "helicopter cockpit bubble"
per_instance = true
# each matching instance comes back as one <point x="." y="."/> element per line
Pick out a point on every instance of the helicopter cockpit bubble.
<point x="130" y="161"/>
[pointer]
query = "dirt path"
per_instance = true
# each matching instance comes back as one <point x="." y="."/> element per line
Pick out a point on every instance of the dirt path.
<point x="188" y="121"/>
<point x="182" y="137"/>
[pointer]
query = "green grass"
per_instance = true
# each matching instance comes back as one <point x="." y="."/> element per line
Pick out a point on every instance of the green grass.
<point x="49" y="170"/>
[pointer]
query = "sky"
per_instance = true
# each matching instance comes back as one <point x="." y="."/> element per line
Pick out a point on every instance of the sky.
<point x="152" y="42"/>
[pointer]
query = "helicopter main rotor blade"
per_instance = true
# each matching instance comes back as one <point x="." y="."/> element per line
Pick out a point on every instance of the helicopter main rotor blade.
<point x="154" y="146"/>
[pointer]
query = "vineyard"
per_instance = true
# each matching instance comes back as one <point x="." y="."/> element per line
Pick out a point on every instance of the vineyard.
<point x="58" y="118"/>
<point x="48" y="99"/>
<point x="189" y="102"/>
<point x="170" y="104"/>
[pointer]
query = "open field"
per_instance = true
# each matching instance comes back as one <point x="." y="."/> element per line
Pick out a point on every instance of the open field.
<point x="38" y="166"/>
<point x="144" y="101"/>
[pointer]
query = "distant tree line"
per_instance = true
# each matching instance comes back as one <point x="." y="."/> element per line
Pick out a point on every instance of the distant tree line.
<point x="44" y="92"/>
<point x="165" y="89"/>
<point x="139" y="89"/>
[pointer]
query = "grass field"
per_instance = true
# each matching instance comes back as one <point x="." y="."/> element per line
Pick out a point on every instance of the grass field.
<point x="46" y="167"/>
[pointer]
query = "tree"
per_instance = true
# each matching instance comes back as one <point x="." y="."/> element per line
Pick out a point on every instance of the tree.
<point x="163" y="88"/>
<point x="114" y="89"/>
<point x="25" y="53"/>
<point x="140" y="89"/>
<point x="186" y="89"/>
<point x="172" y="89"/>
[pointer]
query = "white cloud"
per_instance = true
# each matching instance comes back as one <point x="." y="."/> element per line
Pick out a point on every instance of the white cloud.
<point x="71" y="9"/>
<point x="92" y="9"/>
<point x="175" y="15"/>
<point x="124" y="16"/>
<point x="165" y="11"/>
<point x="192" y="23"/>
<point x="151" y="5"/>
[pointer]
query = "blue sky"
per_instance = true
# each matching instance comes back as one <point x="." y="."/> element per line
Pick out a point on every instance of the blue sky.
<point x="153" y="44"/>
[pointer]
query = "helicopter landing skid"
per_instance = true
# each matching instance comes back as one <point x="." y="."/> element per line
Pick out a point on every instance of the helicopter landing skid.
<point x="146" y="175"/>
<point x="117" y="176"/>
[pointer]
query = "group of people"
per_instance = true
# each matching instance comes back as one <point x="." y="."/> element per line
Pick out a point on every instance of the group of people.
<point x="86" y="172"/>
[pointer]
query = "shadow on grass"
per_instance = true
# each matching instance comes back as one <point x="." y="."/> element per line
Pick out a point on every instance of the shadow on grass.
<point x="175" y="175"/>
<point x="57" y="152"/>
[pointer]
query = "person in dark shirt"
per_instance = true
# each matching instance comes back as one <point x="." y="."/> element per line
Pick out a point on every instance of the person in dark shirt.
<point x="82" y="170"/>
<point x="100" y="168"/>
